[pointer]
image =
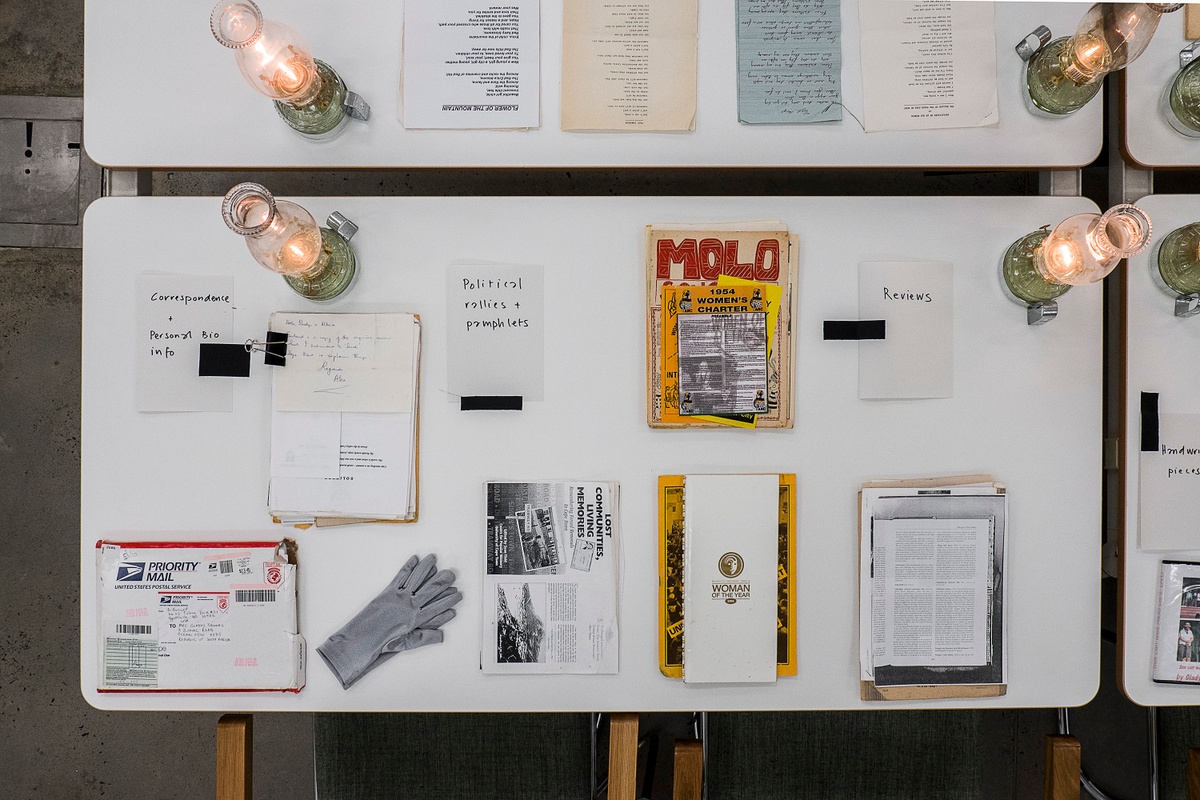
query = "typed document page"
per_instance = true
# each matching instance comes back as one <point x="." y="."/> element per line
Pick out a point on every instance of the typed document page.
<point x="930" y="591"/>
<point x="629" y="65"/>
<point x="471" y="65"/>
<point x="928" y="64"/>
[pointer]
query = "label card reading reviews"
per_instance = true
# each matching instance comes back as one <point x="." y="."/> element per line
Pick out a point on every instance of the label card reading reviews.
<point x="1169" y="486"/>
<point x="916" y="300"/>
<point x="496" y="331"/>
<point x="175" y="313"/>
<point x="471" y="64"/>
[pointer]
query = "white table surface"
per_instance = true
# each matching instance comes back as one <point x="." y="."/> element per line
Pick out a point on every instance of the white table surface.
<point x="1161" y="358"/>
<point x="162" y="93"/>
<point x="1149" y="139"/>
<point x="1026" y="407"/>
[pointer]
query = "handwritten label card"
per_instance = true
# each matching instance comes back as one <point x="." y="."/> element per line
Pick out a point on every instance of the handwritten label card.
<point x="495" y="330"/>
<point x="347" y="362"/>
<point x="175" y="314"/>
<point x="916" y="300"/>
<point x="1169" y="486"/>
<point x="789" y="60"/>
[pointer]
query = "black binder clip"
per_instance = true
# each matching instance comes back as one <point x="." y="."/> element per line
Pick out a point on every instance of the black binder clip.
<point x="274" y="349"/>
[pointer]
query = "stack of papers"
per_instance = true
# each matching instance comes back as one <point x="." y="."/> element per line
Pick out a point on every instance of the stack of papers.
<point x="344" y="418"/>
<point x="931" y="589"/>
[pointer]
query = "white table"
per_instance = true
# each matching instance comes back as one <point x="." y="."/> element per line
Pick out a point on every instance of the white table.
<point x="1026" y="407"/>
<point x="162" y="93"/>
<point x="1160" y="357"/>
<point x="1147" y="136"/>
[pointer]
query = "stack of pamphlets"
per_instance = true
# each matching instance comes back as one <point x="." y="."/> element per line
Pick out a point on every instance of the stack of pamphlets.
<point x="1176" y="651"/>
<point x="719" y="325"/>
<point x="344" y="418"/>
<point x="552" y="578"/>
<point x="931" y="588"/>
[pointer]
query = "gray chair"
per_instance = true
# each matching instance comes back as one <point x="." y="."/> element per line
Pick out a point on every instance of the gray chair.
<point x="453" y="756"/>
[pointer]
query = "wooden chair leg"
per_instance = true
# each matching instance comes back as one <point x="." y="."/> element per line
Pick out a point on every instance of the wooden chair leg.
<point x="235" y="757"/>
<point x="622" y="757"/>
<point x="689" y="770"/>
<point x="1193" y="774"/>
<point x="1063" y="768"/>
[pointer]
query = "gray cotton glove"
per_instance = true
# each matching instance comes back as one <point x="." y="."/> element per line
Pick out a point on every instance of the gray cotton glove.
<point x="404" y="616"/>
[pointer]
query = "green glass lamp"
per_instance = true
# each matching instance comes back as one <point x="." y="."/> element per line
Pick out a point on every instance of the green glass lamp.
<point x="318" y="263"/>
<point x="309" y="95"/>
<point x="1181" y="100"/>
<point x="1178" y="262"/>
<point x="1041" y="266"/>
<point x="1062" y="75"/>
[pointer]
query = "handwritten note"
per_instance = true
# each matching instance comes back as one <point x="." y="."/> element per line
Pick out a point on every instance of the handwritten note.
<point x="1169" y="486"/>
<point x="175" y="313"/>
<point x="347" y="362"/>
<point x="193" y="618"/>
<point x="495" y="330"/>
<point x="789" y="60"/>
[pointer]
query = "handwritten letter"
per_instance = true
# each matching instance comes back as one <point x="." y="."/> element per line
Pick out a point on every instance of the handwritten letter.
<point x="789" y="60"/>
<point x="346" y="362"/>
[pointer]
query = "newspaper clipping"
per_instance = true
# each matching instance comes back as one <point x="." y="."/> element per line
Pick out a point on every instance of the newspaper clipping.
<point x="550" y="596"/>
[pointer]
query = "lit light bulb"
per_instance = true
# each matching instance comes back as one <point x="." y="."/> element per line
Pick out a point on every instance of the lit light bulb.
<point x="1084" y="248"/>
<point x="317" y="262"/>
<point x="273" y="58"/>
<point x="1065" y="74"/>
<point x="1041" y="266"/>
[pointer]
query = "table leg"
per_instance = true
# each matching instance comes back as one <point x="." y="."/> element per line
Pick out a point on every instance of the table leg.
<point x="235" y="757"/>
<point x="622" y="756"/>
<point x="1063" y="767"/>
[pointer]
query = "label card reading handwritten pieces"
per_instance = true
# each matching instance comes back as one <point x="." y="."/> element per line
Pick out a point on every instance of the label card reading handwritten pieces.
<point x="175" y="313"/>
<point x="928" y="64"/>
<point x="346" y="362"/>
<point x="471" y="64"/>
<point x="789" y="60"/>
<point x="916" y="299"/>
<point x="496" y="336"/>
<point x="1169" y="486"/>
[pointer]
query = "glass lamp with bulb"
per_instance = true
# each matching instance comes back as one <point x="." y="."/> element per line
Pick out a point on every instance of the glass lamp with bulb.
<point x="1061" y="76"/>
<point x="1178" y="263"/>
<point x="1041" y="266"/>
<point x="1181" y="100"/>
<point x="309" y="95"/>
<point x="318" y="263"/>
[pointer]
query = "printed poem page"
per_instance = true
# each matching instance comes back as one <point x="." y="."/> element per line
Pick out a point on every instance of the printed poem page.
<point x="629" y="65"/>
<point x="928" y="64"/>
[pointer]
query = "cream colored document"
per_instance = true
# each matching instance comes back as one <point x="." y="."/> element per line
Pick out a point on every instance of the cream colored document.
<point x="629" y="66"/>
<point x="928" y="64"/>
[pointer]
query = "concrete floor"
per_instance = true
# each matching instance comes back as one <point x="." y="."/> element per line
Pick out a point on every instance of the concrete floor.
<point x="52" y="744"/>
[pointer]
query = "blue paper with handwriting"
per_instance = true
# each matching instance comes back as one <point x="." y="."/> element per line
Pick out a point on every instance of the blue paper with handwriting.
<point x="789" y="56"/>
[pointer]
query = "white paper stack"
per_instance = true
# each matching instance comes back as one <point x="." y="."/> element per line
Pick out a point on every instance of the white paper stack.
<point x="344" y="418"/>
<point x="730" y="578"/>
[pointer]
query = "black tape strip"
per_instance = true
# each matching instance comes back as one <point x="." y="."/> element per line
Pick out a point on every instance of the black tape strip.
<point x="491" y="403"/>
<point x="224" y="360"/>
<point x="1149" y="422"/>
<point x="855" y="329"/>
<point x="276" y="353"/>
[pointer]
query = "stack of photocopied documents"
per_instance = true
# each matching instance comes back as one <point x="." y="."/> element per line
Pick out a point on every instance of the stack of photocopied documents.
<point x="344" y="418"/>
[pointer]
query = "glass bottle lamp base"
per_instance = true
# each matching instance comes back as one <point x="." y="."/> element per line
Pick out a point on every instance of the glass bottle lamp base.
<point x="324" y="117"/>
<point x="1020" y="276"/>
<point x="1048" y="92"/>
<point x="335" y="277"/>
